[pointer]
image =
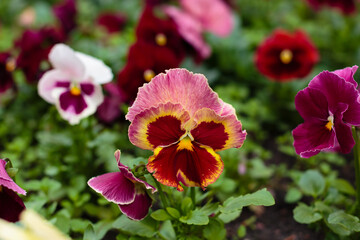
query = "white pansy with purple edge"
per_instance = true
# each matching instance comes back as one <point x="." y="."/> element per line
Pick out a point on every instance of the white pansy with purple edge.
<point x="74" y="83"/>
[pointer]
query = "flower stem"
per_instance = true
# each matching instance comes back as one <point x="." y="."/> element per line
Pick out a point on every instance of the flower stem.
<point x="193" y="195"/>
<point x="161" y="192"/>
<point x="356" y="136"/>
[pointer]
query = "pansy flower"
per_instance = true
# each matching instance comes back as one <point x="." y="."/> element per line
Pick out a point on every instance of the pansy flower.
<point x="66" y="13"/>
<point x="7" y="65"/>
<point x="74" y="83"/>
<point x="11" y="204"/>
<point x="345" y="6"/>
<point x="329" y="107"/>
<point x="124" y="189"/>
<point x="112" y="22"/>
<point x="284" y="56"/>
<point x="185" y="123"/>
<point x="141" y="68"/>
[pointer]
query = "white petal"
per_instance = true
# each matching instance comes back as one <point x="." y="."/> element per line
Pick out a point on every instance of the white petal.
<point x="95" y="68"/>
<point x="63" y="57"/>
<point x="47" y="84"/>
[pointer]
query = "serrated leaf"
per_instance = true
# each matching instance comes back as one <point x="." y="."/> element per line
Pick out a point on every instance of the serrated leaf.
<point x="312" y="183"/>
<point x="342" y="223"/>
<point x="134" y="227"/>
<point x="167" y="231"/>
<point x="195" y="217"/>
<point x="260" y="198"/>
<point x="305" y="214"/>
<point x="160" y="215"/>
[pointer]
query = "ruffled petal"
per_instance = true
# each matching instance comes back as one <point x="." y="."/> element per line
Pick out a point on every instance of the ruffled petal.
<point x="215" y="17"/>
<point x="217" y="132"/>
<point x="158" y="126"/>
<point x="49" y="81"/>
<point x="227" y="109"/>
<point x="11" y="205"/>
<point x="337" y="90"/>
<point x="6" y="180"/>
<point x="312" y="103"/>
<point x="63" y="58"/>
<point x="187" y="162"/>
<point x="190" y="90"/>
<point x="139" y="208"/>
<point x="312" y="137"/>
<point x="348" y="74"/>
<point x="95" y="68"/>
<point x="115" y="187"/>
<point x="343" y="131"/>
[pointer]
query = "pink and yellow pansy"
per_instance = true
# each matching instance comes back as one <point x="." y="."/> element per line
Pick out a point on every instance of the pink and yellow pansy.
<point x="185" y="123"/>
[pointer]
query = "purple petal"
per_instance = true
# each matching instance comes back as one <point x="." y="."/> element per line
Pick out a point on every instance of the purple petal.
<point x="343" y="132"/>
<point x="11" y="205"/>
<point x="311" y="103"/>
<point x="87" y="88"/>
<point x="139" y="208"/>
<point x="68" y="100"/>
<point x="311" y="137"/>
<point x="348" y="74"/>
<point x="63" y="84"/>
<point x="115" y="187"/>
<point x="7" y="182"/>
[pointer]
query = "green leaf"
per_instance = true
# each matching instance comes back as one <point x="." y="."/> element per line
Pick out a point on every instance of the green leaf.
<point x="305" y="214"/>
<point x="312" y="183"/>
<point x="343" y="186"/>
<point x="241" y="231"/>
<point x="186" y="205"/>
<point x="167" y="231"/>
<point x="228" y="217"/>
<point x="173" y="212"/>
<point x="261" y="197"/>
<point x="160" y="215"/>
<point x="293" y="195"/>
<point x="214" y="230"/>
<point x="139" y="228"/>
<point x="196" y="217"/>
<point x="79" y="225"/>
<point x="89" y="233"/>
<point x="342" y="223"/>
<point x="210" y="208"/>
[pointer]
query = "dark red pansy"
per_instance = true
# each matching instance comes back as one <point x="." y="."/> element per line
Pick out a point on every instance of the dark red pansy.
<point x="112" y="22"/>
<point x="7" y="65"/>
<point x="34" y="46"/>
<point x="141" y="67"/>
<point x="66" y="13"/>
<point x="160" y="32"/>
<point x="284" y="56"/>
<point x="345" y="6"/>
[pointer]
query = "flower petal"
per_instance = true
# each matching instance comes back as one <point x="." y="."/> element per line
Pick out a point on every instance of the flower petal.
<point x="312" y="137"/>
<point x="217" y="132"/>
<point x="193" y="165"/>
<point x="63" y="58"/>
<point x="190" y="90"/>
<point x="7" y="182"/>
<point x="95" y="68"/>
<point x="11" y="205"/>
<point x="158" y="126"/>
<point x="312" y="103"/>
<point x="139" y="208"/>
<point x="115" y="187"/>
<point x="348" y="74"/>
<point x="49" y="81"/>
<point x="227" y="109"/>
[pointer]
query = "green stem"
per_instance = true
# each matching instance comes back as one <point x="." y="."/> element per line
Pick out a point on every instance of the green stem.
<point x="162" y="195"/>
<point x="356" y="136"/>
<point x="193" y="196"/>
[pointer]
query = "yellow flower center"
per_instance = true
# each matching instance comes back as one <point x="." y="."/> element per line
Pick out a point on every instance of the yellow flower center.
<point x="329" y="125"/>
<point x="148" y="75"/>
<point x="185" y="143"/>
<point x="75" y="91"/>
<point x="160" y="39"/>
<point x="10" y="65"/>
<point x="286" y="56"/>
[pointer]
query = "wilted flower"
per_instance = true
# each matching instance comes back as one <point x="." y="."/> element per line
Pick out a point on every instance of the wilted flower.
<point x="329" y="108"/>
<point x="141" y="68"/>
<point x="34" y="46"/>
<point x="185" y="123"/>
<point x="66" y="13"/>
<point x="74" y="83"/>
<point x="11" y="204"/>
<point x="7" y="65"/>
<point x="345" y="6"/>
<point x="112" y="22"/>
<point x="124" y="189"/>
<point x="284" y="56"/>
<point x="34" y="228"/>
